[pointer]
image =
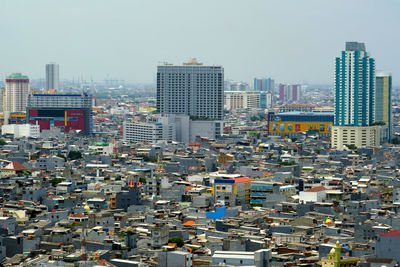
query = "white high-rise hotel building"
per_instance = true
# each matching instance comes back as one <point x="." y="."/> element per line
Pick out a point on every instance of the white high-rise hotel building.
<point x="52" y="76"/>
<point x="191" y="89"/>
<point x="190" y="104"/>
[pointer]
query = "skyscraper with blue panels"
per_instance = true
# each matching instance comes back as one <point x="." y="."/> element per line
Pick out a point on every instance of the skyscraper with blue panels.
<point x="264" y="84"/>
<point x="355" y="87"/>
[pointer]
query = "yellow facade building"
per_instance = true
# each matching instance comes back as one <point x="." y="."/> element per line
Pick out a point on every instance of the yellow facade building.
<point x="294" y="122"/>
<point x="335" y="259"/>
<point x="232" y="192"/>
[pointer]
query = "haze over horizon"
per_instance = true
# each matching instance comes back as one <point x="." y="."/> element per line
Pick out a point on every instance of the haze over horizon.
<point x="290" y="41"/>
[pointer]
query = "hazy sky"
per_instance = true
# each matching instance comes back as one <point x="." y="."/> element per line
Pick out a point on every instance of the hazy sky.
<point x="289" y="40"/>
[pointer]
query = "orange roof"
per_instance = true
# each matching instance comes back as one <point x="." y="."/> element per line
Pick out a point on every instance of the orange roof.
<point x="219" y="145"/>
<point x="172" y="245"/>
<point x="316" y="189"/>
<point x="195" y="144"/>
<point x="14" y="166"/>
<point x="188" y="248"/>
<point x="188" y="187"/>
<point x="243" y="179"/>
<point x="189" y="223"/>
<point x="104" y="263"/>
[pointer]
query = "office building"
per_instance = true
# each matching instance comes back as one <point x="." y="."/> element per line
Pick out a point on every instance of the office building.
<point x="21" y="130"/>
<point x="52" y="76"/>
<point x="16" y="93"/>
<point x="289" y="93"/>
<point x="2" y="98"/>
<point x="173" y="127"/>
<point x="354" y="87"/>
<point x="247" y="100"/>
<point x="236" y="86"/>
<point x="148" y="132"/>
<point x="69" y="111"/>
<point x="295" y="90"/>
<point x="355" y="100"/>
<point x="264" y="84"/>
<point x="383" y="111"/>
<point x="191" y="89"/>
<point x="232" y="192"/>
<point x="359" y="136"/>
<point x="265" y="99"/>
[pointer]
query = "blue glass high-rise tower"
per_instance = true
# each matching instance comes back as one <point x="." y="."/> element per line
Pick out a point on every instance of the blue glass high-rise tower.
<point x="264" y="84"/>
<point x="355" y="87"/>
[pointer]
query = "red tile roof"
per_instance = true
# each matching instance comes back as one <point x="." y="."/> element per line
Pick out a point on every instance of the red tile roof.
<point x="243" y="179"/>
<point x="14" y="166"/>
<point x="394" y="233"/>
<point x="316" y="189"/>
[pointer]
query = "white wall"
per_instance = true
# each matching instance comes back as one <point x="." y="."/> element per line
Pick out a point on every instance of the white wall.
<point x="312" y="196"/>
<point x="21" y="130"/>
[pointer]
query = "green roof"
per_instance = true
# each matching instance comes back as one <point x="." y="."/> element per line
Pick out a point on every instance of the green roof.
<point x="17" y="76"/>
<point x="100" y="144"/>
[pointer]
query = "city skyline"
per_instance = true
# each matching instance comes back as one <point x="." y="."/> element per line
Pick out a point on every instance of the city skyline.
<point x="131" y="42"/>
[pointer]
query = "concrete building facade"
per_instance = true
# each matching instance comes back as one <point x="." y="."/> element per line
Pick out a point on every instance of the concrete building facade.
<point x="247" y="100"/>
<point x="356" y="100"/>
<point x="52" y="76"/>
<point x="264" y="84"/>
<point x="70" y="111"/>
<point x="368" y="136"/>
<point x="191" y="89"/>
<point x="16" y="93"/>
<point x="383" y="111"/>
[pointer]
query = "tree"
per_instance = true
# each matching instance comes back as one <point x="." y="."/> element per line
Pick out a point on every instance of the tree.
<point x="255" y="118"/>
<point x="177" y="240"/>
<point x="27" y="172"/>
<point x="2" y="142"/>
<point x="396" y="141"/>
<point x="148" y="158"/>
<point x="352" y="147"/>
<point x="56" y="181"/>
<point x="378" y="123"/>
<point x="73" y="155"/>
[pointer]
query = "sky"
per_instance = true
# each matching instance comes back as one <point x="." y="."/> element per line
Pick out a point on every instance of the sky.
<point x="292" y="41"/>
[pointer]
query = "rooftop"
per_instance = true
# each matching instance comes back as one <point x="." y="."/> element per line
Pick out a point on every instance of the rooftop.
<point x="297" y="113"/>
<point x="17" y="75"/>
<point x="243" y="179"/>
<point x="316" y="189"/>
<point x="14" y="166"/>
<point x="394" y="233"/>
